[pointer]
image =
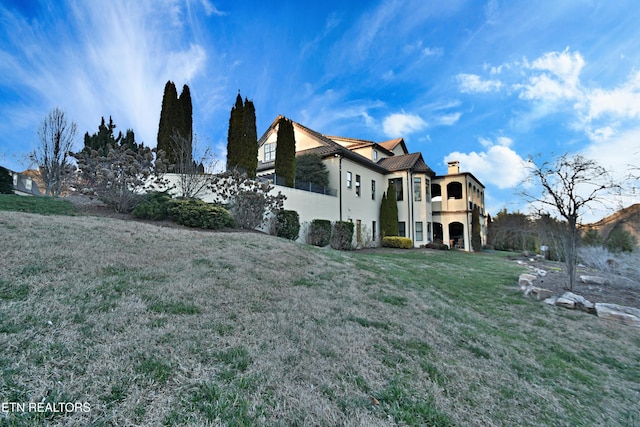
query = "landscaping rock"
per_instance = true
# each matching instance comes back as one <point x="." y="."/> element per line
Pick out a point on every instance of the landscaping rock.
<point x="594" y="280"/>
<point x="537" y="293"/>
<point x="578" y="302"/>
<point x="526" y="280"/>
<point x="622" y="314"/>
<point x="551" y="300"/>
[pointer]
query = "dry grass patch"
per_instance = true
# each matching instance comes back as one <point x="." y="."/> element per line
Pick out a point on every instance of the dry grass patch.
<point x="161" y="326"/>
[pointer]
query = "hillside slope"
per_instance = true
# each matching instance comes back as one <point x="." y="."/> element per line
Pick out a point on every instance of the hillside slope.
<point x="627" y="218"/>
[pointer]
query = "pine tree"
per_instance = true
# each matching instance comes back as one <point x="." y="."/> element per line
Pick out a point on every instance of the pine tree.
<point x="169" y="116"/>
<point x="476" y="237"/>
<point x="285" y="166"/>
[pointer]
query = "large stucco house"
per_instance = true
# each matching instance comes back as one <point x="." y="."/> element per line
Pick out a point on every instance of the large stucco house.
<point x="430" y="207"/>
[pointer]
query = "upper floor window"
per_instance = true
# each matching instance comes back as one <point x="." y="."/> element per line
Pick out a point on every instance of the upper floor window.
<point x="375" y="155"/>
<point x="373" y="189"/>
<point x="15" y="179"/>
<point x="269" y="152"/>
<point x="349" y="179"/>
<point x="436" y="192"/>
<point x="454" y="190"/>
<point x="417" y="189"/>
<point x="358" y="185"/>
<point x="397" y="183"/>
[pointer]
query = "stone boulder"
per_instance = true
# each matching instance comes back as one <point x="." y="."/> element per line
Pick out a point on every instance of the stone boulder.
<point x="526" y="280"/>
<point x="622" y="314"/>
<point x="594" y="280"/>
<point x="577" y="302"/>
<point x="538" y="293"/>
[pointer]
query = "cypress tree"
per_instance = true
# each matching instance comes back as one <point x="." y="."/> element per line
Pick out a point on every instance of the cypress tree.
<point x="476" y="237"/>
<point x="185" y="127"/>
<point x="285" y="166"/>
<point x="389" y="212"/>
<point x="169" y="117"/>
<point x="234" y="135"/>
<point x="249" y="141"/>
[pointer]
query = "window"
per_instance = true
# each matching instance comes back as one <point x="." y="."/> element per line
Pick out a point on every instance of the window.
<point x="417" y="189"/>
<point x="375" y="155"/>
<point x="402" y="232"/>
<point x="373" y="189"/>
<point x="27" y="183"/>
<point x="358" y="185"/>
<point x="427" y="189"/>
<point x="397" y="183"/>
<point x="373" y="231"/>
<point x="269" y="152"/>
<point x="349" y="178"/>
<point x="436" y="192"/>
<point x="15" y="179"/>
<point x="454" y="190"/>
<point x="419" y="237"/>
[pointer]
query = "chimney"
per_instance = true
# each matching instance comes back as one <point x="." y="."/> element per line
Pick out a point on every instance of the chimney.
<point x="453" y="167"/>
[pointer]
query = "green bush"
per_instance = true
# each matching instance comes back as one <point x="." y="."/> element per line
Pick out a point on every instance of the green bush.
<point x="437" y="245"/>
<point x="287" y="224"/>
<point x="153" y="206"/>
<point x="620" y="240"/>
<point x="342" y="236"/>
<point x="6" y="181"/>
<point x="196" y="213"/>
<point x="319" y="232"/>
<point x="397" y="242"/>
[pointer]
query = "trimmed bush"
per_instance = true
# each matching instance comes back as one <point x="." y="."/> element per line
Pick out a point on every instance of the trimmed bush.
<point x="342" y="236"/>
<point x="196" y="213"/>
<point x="437" y="245"/>
<point x="397" y="242"/>
<point x="319" y="232"/>
<point x="153" y="206"/>
<point x="287" y="224"/>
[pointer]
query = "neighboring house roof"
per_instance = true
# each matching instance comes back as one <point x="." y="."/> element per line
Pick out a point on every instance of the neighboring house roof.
<point x="329" y="147"/>
<point x="413" y="162"/>
<point x="20" y="185"/>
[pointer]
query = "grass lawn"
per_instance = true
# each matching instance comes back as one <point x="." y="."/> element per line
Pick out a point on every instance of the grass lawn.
<point x="39" y="205"/>
<point x="159" y="326"/>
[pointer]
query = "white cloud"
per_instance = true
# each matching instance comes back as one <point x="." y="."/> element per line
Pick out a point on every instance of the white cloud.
<point x="432" y="51"/>
<point x="448" y="119"/>
<point x="210" y="9"/>
<point x="402" y="124"/>
<point x="559" y="78"/>
<point x="471" y="83"/>
<point x="623" y="102"/>
<point x="498" y="165"/>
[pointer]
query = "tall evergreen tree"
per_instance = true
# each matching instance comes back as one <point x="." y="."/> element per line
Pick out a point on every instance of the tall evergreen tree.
<point x="389" y="212"/>
<point x="169" y="117"/>
<point x="285" y="166"/>
<point x="186" y="117"/>
<point x="249" y="141"/>
<point x="234" y="135"/>
<point x="6" y="181"/>
<point x="476" y="237"/>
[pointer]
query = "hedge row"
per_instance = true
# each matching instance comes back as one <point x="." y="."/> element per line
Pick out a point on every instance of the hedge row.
<point x="397" y="242"/>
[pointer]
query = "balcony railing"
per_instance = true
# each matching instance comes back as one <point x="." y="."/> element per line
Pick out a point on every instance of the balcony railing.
<point x="304" y="186"/>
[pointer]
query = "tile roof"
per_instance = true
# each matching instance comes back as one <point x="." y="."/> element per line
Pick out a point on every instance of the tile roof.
<point x="413" y="162"/>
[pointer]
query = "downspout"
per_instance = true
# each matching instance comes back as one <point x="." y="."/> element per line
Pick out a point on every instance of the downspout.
<point x="340" y="183"/>
<point x="410" y="203"/>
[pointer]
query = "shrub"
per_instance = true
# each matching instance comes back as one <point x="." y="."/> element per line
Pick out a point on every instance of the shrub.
<point x="342" y="236"/>
<point x="437" y="245"/>
<point x="153" y="205"/>
<point x="319" y="232"/>
<point x="287" y="224"/>
<point x="6" y="181"/>
<point x="196" y="213"/>
<point x="397" y="242"/>
<point x="620" y="240"/>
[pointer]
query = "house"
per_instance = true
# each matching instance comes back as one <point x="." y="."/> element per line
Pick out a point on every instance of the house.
<point x="24" y="183"/>
<point x="359" y="174"/>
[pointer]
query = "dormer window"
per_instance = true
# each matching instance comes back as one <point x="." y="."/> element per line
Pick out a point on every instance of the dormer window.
<point x="269" y="152"/>
<point x="375" y="155"/>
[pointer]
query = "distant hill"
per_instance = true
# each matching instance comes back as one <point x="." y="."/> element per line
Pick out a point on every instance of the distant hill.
<point x="627" y="218"/>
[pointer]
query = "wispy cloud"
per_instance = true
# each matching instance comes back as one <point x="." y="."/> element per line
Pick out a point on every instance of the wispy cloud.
<point x="472" y="83"/>
<point x="402" y="124"/>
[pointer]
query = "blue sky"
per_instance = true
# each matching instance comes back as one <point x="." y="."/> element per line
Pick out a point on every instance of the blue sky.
<point x="487" y="83"/>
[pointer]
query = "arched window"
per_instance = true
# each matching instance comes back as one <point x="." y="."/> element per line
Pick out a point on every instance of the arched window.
<point x="454" y="190"/>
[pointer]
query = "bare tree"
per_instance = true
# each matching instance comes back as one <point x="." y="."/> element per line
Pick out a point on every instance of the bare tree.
<point x="192" y="172"/>
<point x="56" y="137"/>
<point x="570" y="186"/>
